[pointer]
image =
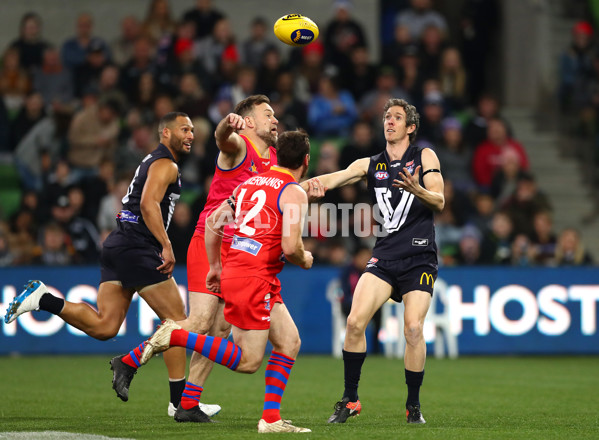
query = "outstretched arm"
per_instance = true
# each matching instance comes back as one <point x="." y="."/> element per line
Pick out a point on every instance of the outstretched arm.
<point x="352" y="174"/>
<point x="230" y="144"/>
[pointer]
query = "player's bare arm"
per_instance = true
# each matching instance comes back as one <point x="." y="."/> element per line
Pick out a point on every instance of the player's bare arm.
<point x="432" y="193"/>
<point x="355" y="172"/>
<point x="294" y="204"/>
<point x="213" y="237"/>
<point x="228" y="141"/>
<point x="161" y="174"/>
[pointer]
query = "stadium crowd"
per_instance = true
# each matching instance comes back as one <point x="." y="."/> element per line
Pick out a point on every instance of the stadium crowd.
<point x="77" y="117"/>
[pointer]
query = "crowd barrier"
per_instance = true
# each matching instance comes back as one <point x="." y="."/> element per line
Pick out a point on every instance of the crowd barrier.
<point x="490" y="311"/>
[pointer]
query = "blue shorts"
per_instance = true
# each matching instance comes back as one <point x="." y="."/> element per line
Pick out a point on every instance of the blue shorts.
<point x="132" y="266"/>
<point x="417" y="272"/>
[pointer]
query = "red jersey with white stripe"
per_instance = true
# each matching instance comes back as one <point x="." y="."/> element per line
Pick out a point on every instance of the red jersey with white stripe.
<point x="225" y="181"/>
<point x="256" y="248"/>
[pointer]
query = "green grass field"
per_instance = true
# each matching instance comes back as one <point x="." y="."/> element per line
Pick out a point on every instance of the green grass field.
<point x="469" y="398"/>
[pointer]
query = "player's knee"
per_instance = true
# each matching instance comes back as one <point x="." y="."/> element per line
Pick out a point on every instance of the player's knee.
<point x="413" y="332"/>
<point x="249" y="366"/>
<point x="104" y="333"/>
<point x="354" y="325"/>
<point x="222" y="331"/>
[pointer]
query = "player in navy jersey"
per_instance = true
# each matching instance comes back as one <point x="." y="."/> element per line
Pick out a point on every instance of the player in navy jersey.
<point x="405" y="183"/>
<point x="136" y="257"/>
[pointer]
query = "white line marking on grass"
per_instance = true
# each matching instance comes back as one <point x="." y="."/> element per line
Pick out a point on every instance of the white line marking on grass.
<point x="55" y="435"/>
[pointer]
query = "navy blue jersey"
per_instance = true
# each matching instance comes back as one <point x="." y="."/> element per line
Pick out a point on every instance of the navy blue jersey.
<point x="408" y="227"/>
<point x="131" y="229"/>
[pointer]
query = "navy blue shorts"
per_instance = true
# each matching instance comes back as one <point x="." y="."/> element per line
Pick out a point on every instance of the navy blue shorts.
<point x="132" y="266"/>
<point x="418" y="272"/>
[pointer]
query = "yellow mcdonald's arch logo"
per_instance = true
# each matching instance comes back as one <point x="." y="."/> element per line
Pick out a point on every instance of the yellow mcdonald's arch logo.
<point x="429" y="279"/>
<point x="381" y="166"/>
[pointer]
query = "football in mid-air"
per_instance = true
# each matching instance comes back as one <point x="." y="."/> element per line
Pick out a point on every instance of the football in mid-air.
<point x="296" y="30"/>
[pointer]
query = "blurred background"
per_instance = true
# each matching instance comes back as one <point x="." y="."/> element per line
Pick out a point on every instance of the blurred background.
<point x="508" y="93"/>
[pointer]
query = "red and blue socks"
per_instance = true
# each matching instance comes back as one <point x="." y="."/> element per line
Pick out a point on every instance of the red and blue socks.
<point x="132" y="358"/>
<point x="219" y="350"/>
<point x="276" y="376"/>
<point x="191" y="395"/>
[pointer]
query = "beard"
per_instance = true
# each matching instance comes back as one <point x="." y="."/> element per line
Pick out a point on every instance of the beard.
<point x="268" y="137"/>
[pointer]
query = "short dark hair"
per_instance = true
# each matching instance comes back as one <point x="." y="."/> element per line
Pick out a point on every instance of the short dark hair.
<point x="166" y="120"/>
<point x="245" y="106"/>
<point x="292" y="147"/>
<point x="412" y="116"/>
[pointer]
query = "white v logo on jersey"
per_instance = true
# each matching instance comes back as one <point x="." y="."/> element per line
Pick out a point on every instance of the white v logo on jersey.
<point x="394" y="217"/>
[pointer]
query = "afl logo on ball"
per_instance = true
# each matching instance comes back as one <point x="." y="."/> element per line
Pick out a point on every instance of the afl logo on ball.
<point x="302" y="36"/>
<point x="381" y="175"/>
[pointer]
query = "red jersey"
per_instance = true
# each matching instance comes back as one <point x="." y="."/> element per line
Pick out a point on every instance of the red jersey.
<point x="225" y="181"/>
<point x="256" y="248"/>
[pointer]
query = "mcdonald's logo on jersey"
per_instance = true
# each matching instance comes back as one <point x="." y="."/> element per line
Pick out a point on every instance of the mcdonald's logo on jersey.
<point x="429" y="279"/>
<point x="381" y="166"/>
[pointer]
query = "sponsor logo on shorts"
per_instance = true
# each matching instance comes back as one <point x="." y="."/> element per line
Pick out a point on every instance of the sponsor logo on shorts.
<point x="419" y="241"/>
<point x="267" y="301"/>
<point x="372" y="262"/>
<point x="246" y="245"/>
<point x="381" y="175"/>
<point x="430" y="281"/>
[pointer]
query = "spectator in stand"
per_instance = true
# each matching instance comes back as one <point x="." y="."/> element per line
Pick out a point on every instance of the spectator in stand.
<point x="484" y="208"/>
<point x="29" y="115"/>
<point x="108" y="85"/>
<point x="110" y="205"/>
<point x="192" y="98"/>
<point x="121" y="48"/>
<point x="372" y="102"/>
<point x="284" y="102"/>
<point x="4" y="129"/>
<point x="87" y="74"/>
<point x="309" y="71"/>
<point x="185" y="61"/>
<point x="21" y="238"/>
<point x="410" y="76"/>
<point x="360" y="145"/>
<point x="75" y="49"/>
<point x="96" y="188"/>
<point x="454" y="156"/>
<point x="521" y="250"/>
<point x="393" y="50"/>
<point x="204" y="16"/>
<point x="245" y="84"/>
<point x="543" y="240"/>
<point x="181" y="230"/>
<point x="158" y="21"/>
<point x="431" y="129"/>
<point x="505" y="179"/>
<point x="14" y="81"/>
<point x="470" y="247"/>
<point x="93" y="137"/>
<point x="146" y="94"/>
<point x="570" y="250"/>
<point x="524" y="203"/>
<point x="331" y="112"/>
<point x="210" y="49"/>
<point x="6" y="256"/>
<point x="341" y="35"/>
<point x="576" y="67"/>
<point x="141" y="61"/>
<point x="56" y="185"/>
<point x="53" y="81"/>
<point x="84" y="235"/>
<point x="497" y="242"/>
<point x="452" y="76"/>
<point x="486" y="160"/>
<point x="418" y="17"/>
<point x="432" y="43"/>
<point x="269" y="70"/>
<point x="360" y="77"/>
<point x="256" y="45"/>
<point x="479" y="26"/>
<point x="475" y="130"/>
<point x="55" y="247"/>
<point x="40" y="149"/>
<point x="30" y="43"/>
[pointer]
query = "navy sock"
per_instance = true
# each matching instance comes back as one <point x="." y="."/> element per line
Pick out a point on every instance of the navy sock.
<point x="414" y="382"/>
<point x="352" y="363"/>
<point x="52" y="304"/>
<point x="176" y="387"/>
